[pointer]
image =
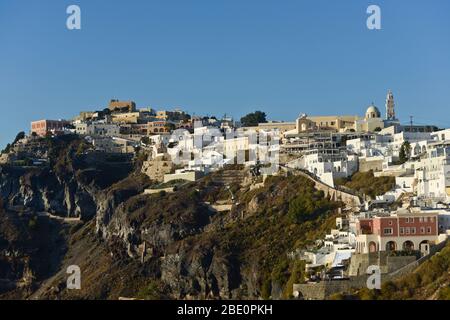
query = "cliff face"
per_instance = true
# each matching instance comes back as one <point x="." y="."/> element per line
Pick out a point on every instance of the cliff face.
<point x="164" y="245"/>
<point x="67" y="187"/>
<point x="41" y="190"/>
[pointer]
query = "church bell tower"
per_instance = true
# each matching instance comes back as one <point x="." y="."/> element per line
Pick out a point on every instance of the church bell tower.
<point x="390" y="106"/>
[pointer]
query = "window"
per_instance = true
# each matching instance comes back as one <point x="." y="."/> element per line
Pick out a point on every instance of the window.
<point x="413" y="230"/>
<point x="402" y="230"/>
<point x="421" y="219"/>
<point x="411" y="220"/>
<point x="407" y="230"/>
<point x="422" y="230"/>
<point x="390" y="222"/>
<point x="428" y="229"/>
<point x="425" y="219"/>
<point x="388" y="231"/>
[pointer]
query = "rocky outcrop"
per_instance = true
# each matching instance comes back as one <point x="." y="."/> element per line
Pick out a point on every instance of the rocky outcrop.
<point x="201" y="272"/>
<point x="68" y="191"/>
<point x="41" y="190"/>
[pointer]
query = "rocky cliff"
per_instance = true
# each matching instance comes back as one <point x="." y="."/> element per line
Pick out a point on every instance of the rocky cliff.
<point x="67" y="186"/>
<point x="163" y="245"/>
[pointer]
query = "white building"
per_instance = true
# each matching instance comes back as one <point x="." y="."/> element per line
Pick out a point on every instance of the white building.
<point x="329" y="167"/>
<point x="97" y="129"/>
<point x="433" y="173"/>
<point x="442" y="135"/>
<point x="411" y="137"/>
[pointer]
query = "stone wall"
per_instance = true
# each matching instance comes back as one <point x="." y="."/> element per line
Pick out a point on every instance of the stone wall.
<point x="188" y="176"/>
<point x="334" y="194"/>
<point x="349" y="199"/>
<point x="324" y="289"/>
<point x="154" y="191"/>
<point x="361" y="261"/>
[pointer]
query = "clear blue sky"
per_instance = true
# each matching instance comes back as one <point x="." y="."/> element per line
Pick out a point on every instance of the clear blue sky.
<point x="223" y="56"/>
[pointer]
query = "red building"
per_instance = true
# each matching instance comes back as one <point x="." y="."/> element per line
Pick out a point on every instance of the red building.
<point x="42" y="127"/>
<point x="404" y="231"/>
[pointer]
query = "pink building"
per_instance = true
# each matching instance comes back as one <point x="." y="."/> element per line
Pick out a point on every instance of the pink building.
<point x="41" y="127"/>
<point x="404" y="231"/>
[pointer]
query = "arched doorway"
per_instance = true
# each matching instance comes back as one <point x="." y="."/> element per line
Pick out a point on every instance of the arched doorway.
<point x="417" y="150"/>
<point x="391" y="246"/>
<point x="408" y="246"/>
<point x="372" y="247"/>
<point x="424" y="247"/>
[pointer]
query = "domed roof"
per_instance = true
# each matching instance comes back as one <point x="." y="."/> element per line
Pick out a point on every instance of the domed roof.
<point x="373" y="112"/>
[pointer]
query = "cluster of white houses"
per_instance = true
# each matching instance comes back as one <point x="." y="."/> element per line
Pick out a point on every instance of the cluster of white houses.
<point x="329" y="147"/>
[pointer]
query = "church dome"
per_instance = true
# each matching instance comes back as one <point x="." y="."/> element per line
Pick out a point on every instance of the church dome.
<point x="372" y="112"/>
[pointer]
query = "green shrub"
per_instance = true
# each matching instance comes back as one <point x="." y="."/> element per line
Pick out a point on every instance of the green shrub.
<point x="152" y="291"/>
<point x="367" y="183"/>
<point x="444" y="293"/>
<point x="266" y="289"/>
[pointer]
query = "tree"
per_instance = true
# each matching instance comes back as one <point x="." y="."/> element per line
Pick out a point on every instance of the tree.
<point x="7" y="148"/>
<point x="19" y="136"/>
<point x="252" y="119"/>
<point x="405" y="152"/>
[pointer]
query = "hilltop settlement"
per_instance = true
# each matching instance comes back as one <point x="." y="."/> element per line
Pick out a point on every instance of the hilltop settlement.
<point x="323" y="197"/>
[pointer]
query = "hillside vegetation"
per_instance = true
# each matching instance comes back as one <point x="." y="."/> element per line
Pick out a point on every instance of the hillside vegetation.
<point x="366" y="183"/>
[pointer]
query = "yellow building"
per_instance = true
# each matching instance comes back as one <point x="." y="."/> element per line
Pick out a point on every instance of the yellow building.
<point x="122" y="106"/>
<point x="338" y="123"/>
<point x="129" y="117"/>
